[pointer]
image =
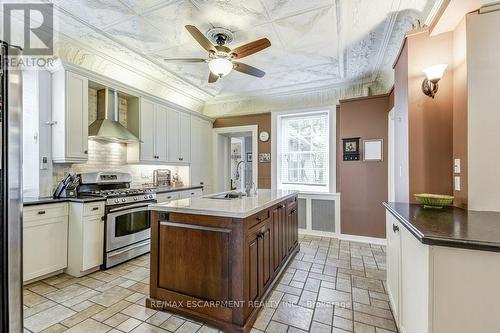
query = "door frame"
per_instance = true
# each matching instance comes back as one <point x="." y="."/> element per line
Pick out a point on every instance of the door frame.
<point x="221" y="181"/>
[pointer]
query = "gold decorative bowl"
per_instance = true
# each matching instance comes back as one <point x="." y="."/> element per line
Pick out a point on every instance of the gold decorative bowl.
<point x="434" y="200"/>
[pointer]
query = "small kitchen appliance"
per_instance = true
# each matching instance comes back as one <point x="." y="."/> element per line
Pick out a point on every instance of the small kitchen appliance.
<point x="162" y="177"/>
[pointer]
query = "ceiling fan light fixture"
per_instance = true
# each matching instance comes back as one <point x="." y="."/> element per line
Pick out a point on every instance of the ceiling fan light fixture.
<point x="220" y="66"/>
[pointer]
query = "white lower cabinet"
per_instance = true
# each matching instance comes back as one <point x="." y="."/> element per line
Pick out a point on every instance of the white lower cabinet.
<point x="45" y="230"/>
<point x="393" y="263"/>
<point x="169" y="196"/>
<point x="436" y="289"/>
<point x="86" y="237"/>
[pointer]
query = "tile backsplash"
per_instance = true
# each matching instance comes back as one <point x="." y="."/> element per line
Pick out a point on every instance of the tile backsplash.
<point x="112" y="156"/>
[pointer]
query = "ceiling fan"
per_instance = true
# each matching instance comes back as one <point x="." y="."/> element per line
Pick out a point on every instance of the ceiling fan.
<point x="220" y="57"/>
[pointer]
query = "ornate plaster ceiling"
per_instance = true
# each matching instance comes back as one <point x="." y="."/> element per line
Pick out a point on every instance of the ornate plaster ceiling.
<point x="315" y="43"/>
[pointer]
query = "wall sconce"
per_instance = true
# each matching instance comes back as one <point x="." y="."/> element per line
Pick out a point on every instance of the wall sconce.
<point x="433" y="75"/>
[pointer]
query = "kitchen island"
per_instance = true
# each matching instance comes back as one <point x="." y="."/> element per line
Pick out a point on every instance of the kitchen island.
<point x="216" y="259"/>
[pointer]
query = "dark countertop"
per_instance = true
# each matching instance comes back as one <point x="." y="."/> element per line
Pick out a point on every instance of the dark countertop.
<point x="450" y="226"/>
<point x="30" y="201"/>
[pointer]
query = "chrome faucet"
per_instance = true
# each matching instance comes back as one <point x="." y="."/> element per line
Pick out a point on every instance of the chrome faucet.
<point x="237" y="176"/>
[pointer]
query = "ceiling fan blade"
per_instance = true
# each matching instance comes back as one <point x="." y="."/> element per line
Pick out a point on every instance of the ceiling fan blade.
<point x="247" y="69"/>
<point x="200" y="38"/>
<point x="212" y="77"/>
<point x="250" y="48"/>
<point x="185" y="60"/>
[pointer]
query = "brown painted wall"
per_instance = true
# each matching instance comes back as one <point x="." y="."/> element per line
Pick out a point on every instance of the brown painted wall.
<point x="263" y="121"/>
<point x="430" y="120"/>
<point x="363" y="185"/>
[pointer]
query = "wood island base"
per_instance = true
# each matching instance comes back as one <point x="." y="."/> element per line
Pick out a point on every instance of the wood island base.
<point x="218" y="269"/>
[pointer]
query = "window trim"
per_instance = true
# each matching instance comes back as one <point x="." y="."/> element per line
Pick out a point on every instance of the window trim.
<point x="332" y="145"/>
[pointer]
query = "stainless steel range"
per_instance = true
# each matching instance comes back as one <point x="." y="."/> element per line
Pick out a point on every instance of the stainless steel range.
<point x="127" y="224"/>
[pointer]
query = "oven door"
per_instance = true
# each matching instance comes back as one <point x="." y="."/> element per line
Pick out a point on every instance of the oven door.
<point x="127" y="225"/>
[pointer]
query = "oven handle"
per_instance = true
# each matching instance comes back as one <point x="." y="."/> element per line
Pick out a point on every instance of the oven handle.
<point x="130" y="248"/>
<point x="137" y="205"/>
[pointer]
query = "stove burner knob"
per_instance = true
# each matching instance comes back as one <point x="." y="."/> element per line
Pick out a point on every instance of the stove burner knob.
<point x="117" y="201"/>
<point x="136" y="198"/>
<point x="150" y="196"/>
<point x="145" y="197"/>
<point x="124" y="200"/>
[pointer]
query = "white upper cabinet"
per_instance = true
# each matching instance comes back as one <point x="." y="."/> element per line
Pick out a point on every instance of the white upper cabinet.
<point x="173" y="134"/>
<point x="201" y="153"/>
<point x="147" y="133"/>
<point x="149" y="123"/>
<point x="185" y="138"/>
<point x="161" y="133"/>
<point x="70" y="117"/>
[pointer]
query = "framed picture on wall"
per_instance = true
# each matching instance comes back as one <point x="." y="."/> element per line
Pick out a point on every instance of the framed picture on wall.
<point x="351" y="149"/>
<point x="373" y="150"/>
<point x="249" y="157"/>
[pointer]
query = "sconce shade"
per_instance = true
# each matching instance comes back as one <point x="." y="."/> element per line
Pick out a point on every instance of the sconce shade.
<point x="435" y="73"/>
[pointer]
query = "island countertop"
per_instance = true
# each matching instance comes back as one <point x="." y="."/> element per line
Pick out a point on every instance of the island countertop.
<point x="450" y="226"/>
<point x="237" y="208"/>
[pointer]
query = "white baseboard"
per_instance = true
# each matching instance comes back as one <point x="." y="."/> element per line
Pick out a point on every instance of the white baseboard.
<point x="353" y="238"/>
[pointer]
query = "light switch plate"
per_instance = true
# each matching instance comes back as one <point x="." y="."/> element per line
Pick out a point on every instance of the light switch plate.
<point x="457" y="183"/>
<point x="456" y="167"/>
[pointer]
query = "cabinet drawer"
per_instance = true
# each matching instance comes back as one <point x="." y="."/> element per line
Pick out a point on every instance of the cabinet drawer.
<point x="34" y="213"/>
<point x="191" y="193"/>
<point x="169" y="196"/>
<point x="258" y="218"/>
<point x="95" y="208"/>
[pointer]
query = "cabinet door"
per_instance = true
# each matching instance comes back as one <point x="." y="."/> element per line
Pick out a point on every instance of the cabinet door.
<point x="44" y="246"/>
<point x="161" y="139"/>
<point x="197" y="163"/>
<point x="283" y="225"/>
<point x="277" y="237"/>
<point x="173" y="120"/>
<point x="93" y="235"/>
<point x="77" y="123"/>
<point x="253" y="271"/>
<point x="147" y="130"/>
<point x="185" y="138"/>
<point x="393" y="263"/>
<point x="265" y="251"/>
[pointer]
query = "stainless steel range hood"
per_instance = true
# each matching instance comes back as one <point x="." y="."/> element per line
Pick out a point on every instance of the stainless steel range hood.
<point x="107" y="126"/>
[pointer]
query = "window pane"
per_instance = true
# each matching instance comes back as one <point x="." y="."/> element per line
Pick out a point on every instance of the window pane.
<point x="304" y="149"/>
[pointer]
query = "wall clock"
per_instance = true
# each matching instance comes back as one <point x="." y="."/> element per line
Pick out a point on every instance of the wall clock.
<point x="264" y="136"/>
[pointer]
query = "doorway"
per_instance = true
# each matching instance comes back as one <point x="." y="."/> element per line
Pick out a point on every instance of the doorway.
<point x="235" y="162"/>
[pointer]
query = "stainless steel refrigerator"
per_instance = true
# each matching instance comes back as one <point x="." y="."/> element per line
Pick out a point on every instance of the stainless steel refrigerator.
<point x="11" y="191"/>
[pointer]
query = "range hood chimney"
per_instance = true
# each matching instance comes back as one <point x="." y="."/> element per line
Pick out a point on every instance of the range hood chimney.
<point x="107" y="126"/>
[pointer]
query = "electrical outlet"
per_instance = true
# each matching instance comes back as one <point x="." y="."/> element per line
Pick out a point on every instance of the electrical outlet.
<point x="457" y="183"/>
<point x="456" y="167"/>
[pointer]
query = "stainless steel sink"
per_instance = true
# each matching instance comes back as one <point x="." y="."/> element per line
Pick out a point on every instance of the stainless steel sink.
<point x="228" y="196"/>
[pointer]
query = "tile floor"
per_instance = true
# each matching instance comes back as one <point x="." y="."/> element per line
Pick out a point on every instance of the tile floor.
<point x="331" y="286"/>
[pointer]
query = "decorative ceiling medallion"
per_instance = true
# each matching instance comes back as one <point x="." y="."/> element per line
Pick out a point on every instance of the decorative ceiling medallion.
<point x="217" y="35"/>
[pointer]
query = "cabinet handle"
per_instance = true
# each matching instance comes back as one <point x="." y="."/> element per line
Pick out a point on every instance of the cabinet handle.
<point x="181" y="158"/>
<point x="259" y="219"/>
<point x="85" y="151"/>
<point x="395" y="228"/>
<point x="41" y="212"/>
<point x="95" y="208"/>
<point x="201" y="183"/>
<point x="169" y="197"/>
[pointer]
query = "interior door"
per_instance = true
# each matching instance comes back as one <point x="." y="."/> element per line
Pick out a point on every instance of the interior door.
<point x="148" y="126"/>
